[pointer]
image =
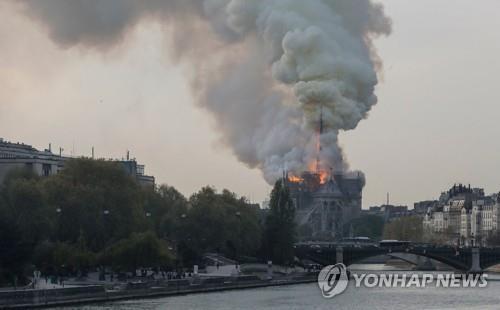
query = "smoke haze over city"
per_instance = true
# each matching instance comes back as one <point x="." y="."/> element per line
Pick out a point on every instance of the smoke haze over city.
<point x="216" y="92"/>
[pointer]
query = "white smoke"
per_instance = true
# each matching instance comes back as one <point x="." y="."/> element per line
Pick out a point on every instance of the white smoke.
<point x="264" y="68"/>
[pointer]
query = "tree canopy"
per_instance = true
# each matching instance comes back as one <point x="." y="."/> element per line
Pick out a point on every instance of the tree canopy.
<point x="280" y="231"/>
<point x="371" y="226"/>
<point x="405" y="228"/>
<point x="221" y="222"/>
<point x="93" y="213"/>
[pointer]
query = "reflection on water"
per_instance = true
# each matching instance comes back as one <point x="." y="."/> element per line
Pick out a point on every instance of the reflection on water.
<point x="375" y="267"/>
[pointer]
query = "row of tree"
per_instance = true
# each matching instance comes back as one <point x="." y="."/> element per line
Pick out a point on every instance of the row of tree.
<point x="93" y="214"/>
<point x="408" y="228"/>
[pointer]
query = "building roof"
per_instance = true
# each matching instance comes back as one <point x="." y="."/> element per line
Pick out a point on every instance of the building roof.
<point x="330" y="189"/>
<point x="340" y="187"/>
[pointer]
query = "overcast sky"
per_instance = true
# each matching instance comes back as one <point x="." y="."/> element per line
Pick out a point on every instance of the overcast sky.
<point x="437" y="121"/>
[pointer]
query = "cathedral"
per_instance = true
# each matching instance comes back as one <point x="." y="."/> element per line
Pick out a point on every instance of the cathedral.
<point x="325" y="204"/>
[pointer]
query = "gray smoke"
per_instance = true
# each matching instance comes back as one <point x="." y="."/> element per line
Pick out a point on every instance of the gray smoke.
<point x="264" y="68"/>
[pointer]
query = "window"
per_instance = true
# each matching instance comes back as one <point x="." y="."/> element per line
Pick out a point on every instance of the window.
<point x="46" y="170"/>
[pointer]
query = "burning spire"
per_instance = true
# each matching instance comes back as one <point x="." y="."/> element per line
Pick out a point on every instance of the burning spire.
<point x="320" y="132"/>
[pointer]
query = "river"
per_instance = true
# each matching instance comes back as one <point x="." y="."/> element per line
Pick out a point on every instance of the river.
<point x="308" y="296"/>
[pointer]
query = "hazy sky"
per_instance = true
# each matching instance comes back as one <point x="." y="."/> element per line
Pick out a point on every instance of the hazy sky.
<point x="437" y="121"/>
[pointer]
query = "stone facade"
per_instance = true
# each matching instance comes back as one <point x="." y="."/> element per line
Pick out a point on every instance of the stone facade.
<point x="463" y="216"/>
<point x="20" y="156"/>
<point x="480" y="222"/>
<point x="45" y="163"/>
<point x="323" y="208"/>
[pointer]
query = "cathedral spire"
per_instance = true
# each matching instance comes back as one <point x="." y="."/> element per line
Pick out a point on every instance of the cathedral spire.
<point x="320" y="132"/>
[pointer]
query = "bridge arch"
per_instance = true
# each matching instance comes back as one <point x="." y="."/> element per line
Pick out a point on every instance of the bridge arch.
<point x="460" y="259"/>
<point x="459" y="263"/>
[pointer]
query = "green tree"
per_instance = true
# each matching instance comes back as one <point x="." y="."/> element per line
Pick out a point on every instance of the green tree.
<point x="139" y="250"/>
<point x="280" y="229"/>
<point x="219" y="222"/>
<point x="444" y="237"/>
<point x="24" y="221"/>
<point x="168" y="213"/>
<point x="26" y="207"/>
<point x="14" y="251"/>
<point x="371" y="226"/>
<point x="71" y="258"/>
<point x="98" y="198"/>
<point x="405" y="228"/>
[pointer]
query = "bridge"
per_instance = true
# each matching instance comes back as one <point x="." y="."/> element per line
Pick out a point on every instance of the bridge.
<point x="464" y="259"/>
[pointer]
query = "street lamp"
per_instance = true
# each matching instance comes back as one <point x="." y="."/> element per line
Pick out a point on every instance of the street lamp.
<point x="106" y="213"/>
<point x="58" y="232"/>
<point x="176" y="248"/>
<point x="238" y="215"/>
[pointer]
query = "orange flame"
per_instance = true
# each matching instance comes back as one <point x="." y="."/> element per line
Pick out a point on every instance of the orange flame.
<point x="312" y="166"/>
<point x="295" y="179"/>
<point x="323" y="177"/>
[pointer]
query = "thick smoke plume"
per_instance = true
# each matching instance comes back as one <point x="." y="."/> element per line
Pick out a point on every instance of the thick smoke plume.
<point x="265" y="69"/>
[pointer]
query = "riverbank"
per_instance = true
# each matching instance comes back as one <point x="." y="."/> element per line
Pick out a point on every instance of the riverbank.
<point x="98" y="294"/>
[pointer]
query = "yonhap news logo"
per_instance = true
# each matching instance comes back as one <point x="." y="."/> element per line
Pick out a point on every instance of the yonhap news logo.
<point x="333" y="280"/>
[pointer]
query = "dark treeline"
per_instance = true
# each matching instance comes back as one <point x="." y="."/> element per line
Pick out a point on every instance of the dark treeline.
<point x="92" y="214"/>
